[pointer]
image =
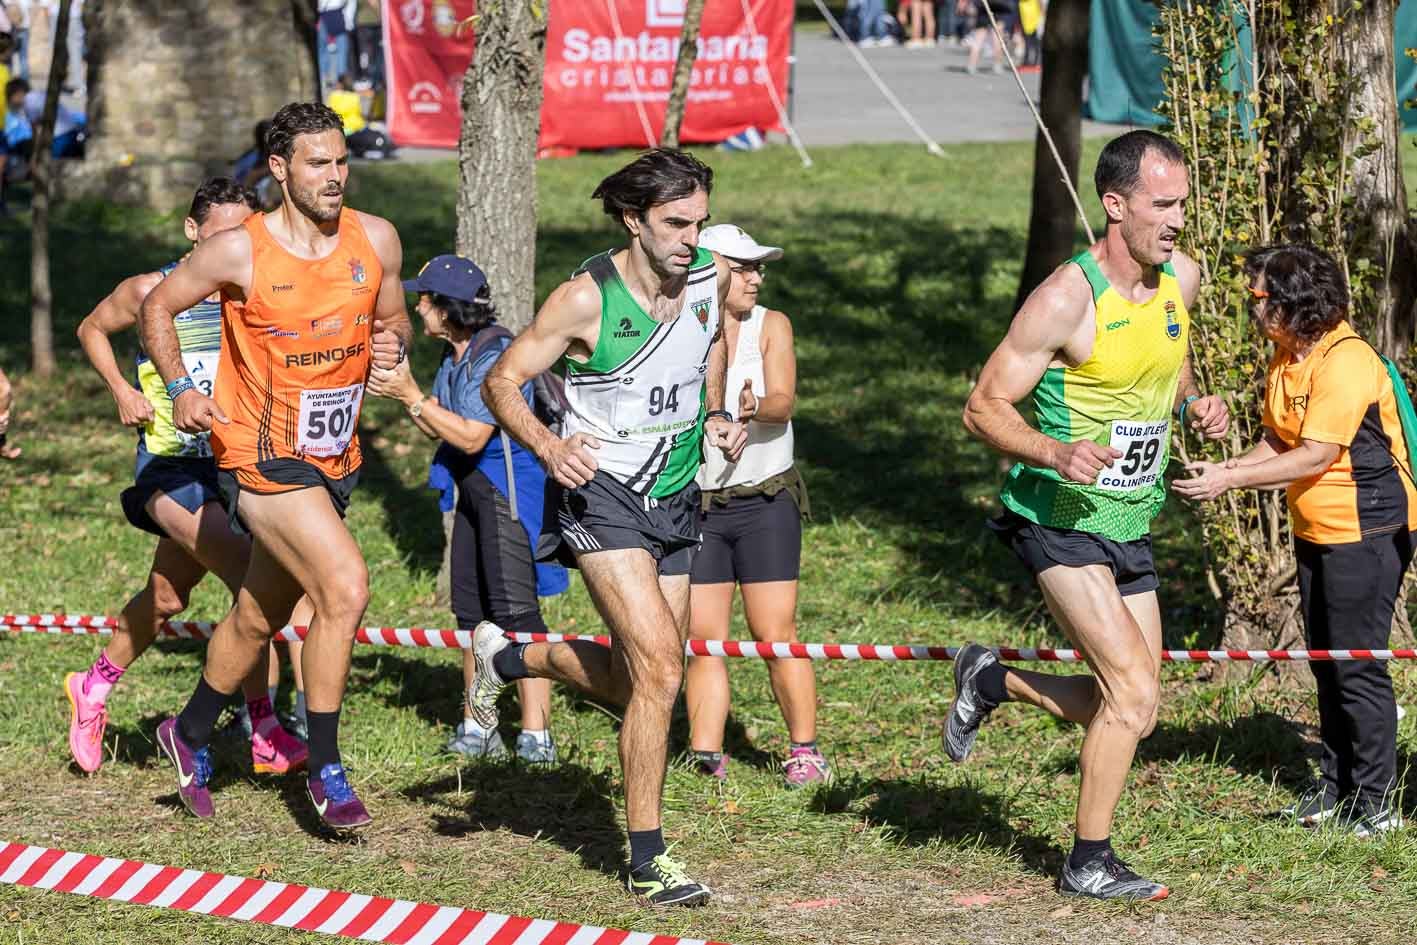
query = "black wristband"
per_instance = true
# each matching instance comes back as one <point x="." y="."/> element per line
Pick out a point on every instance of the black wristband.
<point x="723" y="414"/>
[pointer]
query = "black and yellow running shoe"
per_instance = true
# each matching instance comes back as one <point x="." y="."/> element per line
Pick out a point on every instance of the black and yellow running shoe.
<point x="663" y="882"/>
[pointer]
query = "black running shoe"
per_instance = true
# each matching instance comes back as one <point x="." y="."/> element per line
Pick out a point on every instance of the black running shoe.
<point x="1105" y="876"/>
<point x="1367" y="819"/>
<point x="969" y="709"/>
<point x="1313" y="806"/>
<point x="663" y="882"/>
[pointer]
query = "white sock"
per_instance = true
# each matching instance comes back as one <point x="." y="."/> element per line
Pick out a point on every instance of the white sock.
<point x="542" y="735"/>
<point x="470" y="726"/>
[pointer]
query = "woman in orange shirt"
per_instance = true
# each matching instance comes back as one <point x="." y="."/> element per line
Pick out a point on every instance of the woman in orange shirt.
<point x="1333" y="439"/>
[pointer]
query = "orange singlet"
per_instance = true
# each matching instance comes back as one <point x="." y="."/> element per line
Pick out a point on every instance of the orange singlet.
<point x="295" y="358"/>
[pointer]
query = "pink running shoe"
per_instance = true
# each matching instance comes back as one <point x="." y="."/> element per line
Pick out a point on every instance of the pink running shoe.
<point x="87" y="719"/>
<point x="806" y="766"/>
<point x="277" y="751"/>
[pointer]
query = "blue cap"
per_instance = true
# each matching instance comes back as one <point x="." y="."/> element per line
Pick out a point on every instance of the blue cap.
<point x="457" y="277"/>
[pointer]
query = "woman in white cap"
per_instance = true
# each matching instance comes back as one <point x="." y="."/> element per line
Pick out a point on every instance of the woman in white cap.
<point x="752" y="523"/>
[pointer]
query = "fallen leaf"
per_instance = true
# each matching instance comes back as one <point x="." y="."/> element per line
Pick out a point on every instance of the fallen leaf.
<point x="1378" y="871"/>
<point x="402" y="449"/>
<point x="265" y="871"/>
<point x="814" y="904"/>
<point x="731" y="807"/>
<point x="977" y="899"/>
<point x="408" y="867"/>
<point x="1062" y="912"/>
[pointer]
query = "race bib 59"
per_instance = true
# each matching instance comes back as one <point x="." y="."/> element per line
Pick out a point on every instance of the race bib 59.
<point x="1142" y="445"/>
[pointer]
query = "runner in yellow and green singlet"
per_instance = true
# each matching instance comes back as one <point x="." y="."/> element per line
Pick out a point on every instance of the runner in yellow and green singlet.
<point x="1101" y="350"/>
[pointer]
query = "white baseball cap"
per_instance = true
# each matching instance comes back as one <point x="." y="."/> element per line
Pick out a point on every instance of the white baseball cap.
<point x="729" y="240"/>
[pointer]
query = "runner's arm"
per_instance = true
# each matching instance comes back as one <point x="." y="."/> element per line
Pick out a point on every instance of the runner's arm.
<point x="779" y="370"/>
<point x="1040" y="331"/>
<point x="393" y="332"/>
<point x="118" y="312"/>
<point x="570" y="315"/>
<point x="223" y="260"/>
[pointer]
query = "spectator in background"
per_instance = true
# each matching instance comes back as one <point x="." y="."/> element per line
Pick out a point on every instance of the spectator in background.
<point x="872" y="24"/>
<point x="4" y="111"/>
<point x="369" y="43"/>
<point x="334" y="29"/>
<point x="19" y="16"/>
<point x="363" y="141"/>
<point x="1006" y="13"/>
<point x="1030" y="21"/>
<point x="26" y="108"/>
<point x="1334" y="439"/>
<point x="252" y="169"/>
<point x="922" y="24"/>
<point x="499" y="489"/>
<point x="751" y="521"/>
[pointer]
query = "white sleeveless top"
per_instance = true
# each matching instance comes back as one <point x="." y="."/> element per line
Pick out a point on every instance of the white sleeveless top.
<point x="769" y="449"/>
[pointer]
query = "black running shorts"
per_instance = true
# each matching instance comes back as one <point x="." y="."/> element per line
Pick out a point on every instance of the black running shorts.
<point x="606" y="515"/>
<point x="1040" y="547"/>
<point x="750" y="539"/>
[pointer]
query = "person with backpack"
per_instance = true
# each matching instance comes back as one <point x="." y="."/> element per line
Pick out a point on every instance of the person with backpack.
<point x="1338" y="434"/>
<point x="499" y="487"/>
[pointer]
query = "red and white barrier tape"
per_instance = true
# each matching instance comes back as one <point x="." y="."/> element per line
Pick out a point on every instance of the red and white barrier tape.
<point x="292" y="906"/>
<point x="747" y="649"/>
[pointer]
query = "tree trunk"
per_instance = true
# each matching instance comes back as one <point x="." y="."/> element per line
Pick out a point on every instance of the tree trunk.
<point x="1379" y="210"/>
<point x="41" y="167"/>
<point x="177" y="87"/>
<point x="501" y="116"/>
<point x="683" y="69"/>
<point x="1052" y="222"/>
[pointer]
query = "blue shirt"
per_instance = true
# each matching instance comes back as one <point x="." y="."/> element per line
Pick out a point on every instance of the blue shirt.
<point x="458" y="387"/>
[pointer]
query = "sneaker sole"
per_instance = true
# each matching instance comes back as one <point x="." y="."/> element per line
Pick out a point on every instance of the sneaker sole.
<point x="1080" y="894"/>
<point x="73" y="726"/>
<point x="277" y="769"/>
<point x="692" y="900"/>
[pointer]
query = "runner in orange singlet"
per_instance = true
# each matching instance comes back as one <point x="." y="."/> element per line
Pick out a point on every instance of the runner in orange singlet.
<point x="311" y="298"/>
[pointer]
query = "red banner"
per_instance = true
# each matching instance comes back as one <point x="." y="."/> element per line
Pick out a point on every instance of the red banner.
<point x="609" y="67"/>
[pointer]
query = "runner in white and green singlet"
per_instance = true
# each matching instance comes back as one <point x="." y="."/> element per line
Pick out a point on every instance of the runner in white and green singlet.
<point x="638" y="333"/>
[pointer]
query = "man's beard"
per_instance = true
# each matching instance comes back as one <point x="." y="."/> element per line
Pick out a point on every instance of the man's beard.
<point x="307" y="202"/>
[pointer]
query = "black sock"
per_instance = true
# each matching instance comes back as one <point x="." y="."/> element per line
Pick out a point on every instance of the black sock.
<point x="510" y="662"/>
<point x="1085" y="850"/>
<point x="324" y="739"/>
<point x="990" y="682"/>
<point x="645" y="845"/>
<point x="196" y="721"/>
<point x="810" y="746"/>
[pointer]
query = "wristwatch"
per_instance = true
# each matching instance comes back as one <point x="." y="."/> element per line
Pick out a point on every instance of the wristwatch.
<point x="415" y="409"/>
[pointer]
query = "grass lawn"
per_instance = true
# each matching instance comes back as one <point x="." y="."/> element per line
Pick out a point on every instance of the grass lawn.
<point x="899" y="275"/>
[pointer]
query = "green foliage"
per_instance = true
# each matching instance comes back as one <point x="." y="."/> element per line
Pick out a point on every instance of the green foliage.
<point x="1270" y="145"/>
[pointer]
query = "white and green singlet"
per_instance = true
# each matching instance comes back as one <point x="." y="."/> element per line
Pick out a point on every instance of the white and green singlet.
<point x="641" y="392"/>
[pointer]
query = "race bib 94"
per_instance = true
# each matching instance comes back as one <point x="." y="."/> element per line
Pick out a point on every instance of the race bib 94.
<point x="1142" y="445"/>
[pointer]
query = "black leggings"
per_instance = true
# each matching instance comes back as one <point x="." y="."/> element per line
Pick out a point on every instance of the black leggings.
<point x="493" y="575"/>
<point x="1347" y="592"/>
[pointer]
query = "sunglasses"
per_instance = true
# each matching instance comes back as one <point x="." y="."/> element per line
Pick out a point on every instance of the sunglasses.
<point x="760" y="268"/>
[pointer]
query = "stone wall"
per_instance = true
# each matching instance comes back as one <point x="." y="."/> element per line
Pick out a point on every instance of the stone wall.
<point x="176" y="87"/>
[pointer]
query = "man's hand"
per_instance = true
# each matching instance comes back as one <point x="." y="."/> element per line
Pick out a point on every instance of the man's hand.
<point x="1208" y="480"/>
<point x="194" y="412"/>
<point x="397" y="383"/>
<point x="1083" y="460"/>
<point x="728" y="436"/>
<point x="1209" y="416"/>
<point x="747" y="402"/>
<point x="570" y="461"/>
<point x="385" y="348"/>
<point x="134" y="409"/>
